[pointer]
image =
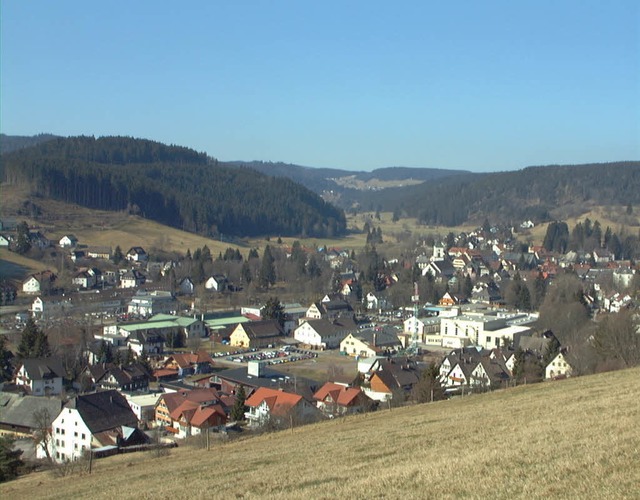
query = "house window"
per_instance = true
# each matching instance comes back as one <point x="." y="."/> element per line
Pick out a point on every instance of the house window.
<point x="83" y="437"/>
<point x="57" y="442"/>
<point x="488" y="339"/>
<point x="58" y="455"/>
<point x="75" y="434"/>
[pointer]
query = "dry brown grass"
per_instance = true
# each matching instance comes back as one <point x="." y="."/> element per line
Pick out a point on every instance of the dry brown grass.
<point x="577" y="438"/>
<point x="102" y="228"/>
<point x="15" y="266"/>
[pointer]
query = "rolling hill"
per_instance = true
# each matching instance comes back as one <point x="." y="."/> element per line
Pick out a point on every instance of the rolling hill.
<point x="192" y="191"/>
<point x="576" y="438"/>
<point x="172" y="185"/>
<point x="341" y="186"/>
<point x="536" y="193"/>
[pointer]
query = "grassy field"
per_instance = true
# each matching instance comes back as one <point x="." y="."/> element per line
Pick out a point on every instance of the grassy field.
<point x="577" y="438"/>
<point x="15" y="266"/>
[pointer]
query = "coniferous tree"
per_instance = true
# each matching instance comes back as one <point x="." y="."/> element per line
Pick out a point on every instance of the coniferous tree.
<point x="10" y="461"/>
<point x="105" y="355"/>
<point x="23" y="242"/>
<point x="552" y="349"/>
<point x="267" y="276"/>
<point x="273" y="309"/>
<point x="298" y="257"/>
<point x="245" y="273"/>
<point x="313" y="269"/>
<point x="130" y="358"/>
<point x="144" y="361"/>
<point x="237" y="412"/>
<point x="33" y="342"/>
<point x="118" y="256"/>
<point x="117" y="359"/>
<point x="6" y="356"/>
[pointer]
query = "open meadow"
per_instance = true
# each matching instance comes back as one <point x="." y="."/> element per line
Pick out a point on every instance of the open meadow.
<point x="576" y="438"/>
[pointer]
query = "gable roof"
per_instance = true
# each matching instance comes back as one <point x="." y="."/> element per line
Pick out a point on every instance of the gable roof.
<point x="340" y="394"/>
<point x="196" y="413"/>
<point x="19" y="410"/>
<point x="327" y="329"/>
<point x="43" y="368"/>
<point x="192" y="358"/>
<point x="173" y="400"/>
<point x="279" y="402"/>
<point x="104" y="410"/>
<point x="123" y="375"/>
<point x="385" y="337"/>
<point x="262" y="329"/>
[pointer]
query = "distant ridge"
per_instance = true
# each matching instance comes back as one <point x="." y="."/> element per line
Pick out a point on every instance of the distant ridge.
<point x="536" y="193"/>
<point x="433" y="196"/>
<point x="9" y="143"/>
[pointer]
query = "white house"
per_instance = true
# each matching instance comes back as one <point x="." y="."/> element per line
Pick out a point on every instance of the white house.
<point x="370" y="343"/>
<point x="84" y="279"/>
<point x="217" y="283"/>
<point x="31" y="285"/>
<point x="41" y="376"/>
<point x="37" y="307"/>
<point x="558" y="367"/>
<point x="4" y="241"/>
<point x="132" y="279"/>
<point x="137" y="254"/>
<point x="324" y="334"/>
<point x="145" y="303"/>
<point x="93" y="421"/>
<point x="272" y="405"/>
<point x="68" y="241"/>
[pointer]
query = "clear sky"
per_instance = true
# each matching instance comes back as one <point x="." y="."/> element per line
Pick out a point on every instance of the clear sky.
<point x="480" y="85"/>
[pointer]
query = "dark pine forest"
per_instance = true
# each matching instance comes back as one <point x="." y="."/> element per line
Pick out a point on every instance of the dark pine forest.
<point x="172" y="185"/>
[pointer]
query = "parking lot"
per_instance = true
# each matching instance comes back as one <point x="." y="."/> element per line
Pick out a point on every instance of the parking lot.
<point x="269" y="356"/>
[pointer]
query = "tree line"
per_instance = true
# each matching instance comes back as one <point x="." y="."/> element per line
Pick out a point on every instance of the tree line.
<point x="531" y="193"/>
<point x="588" y="236"/>
<point x="172" y="185"/>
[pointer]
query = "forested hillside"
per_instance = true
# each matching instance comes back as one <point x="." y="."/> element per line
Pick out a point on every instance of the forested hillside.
<point x="9" y="143"/>
<point x="532" y="193"/>
<point x="172" y="185"/>
<point x="322" y="180"/>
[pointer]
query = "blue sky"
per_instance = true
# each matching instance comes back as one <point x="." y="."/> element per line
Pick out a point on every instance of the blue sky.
<point x="478" y="85"/>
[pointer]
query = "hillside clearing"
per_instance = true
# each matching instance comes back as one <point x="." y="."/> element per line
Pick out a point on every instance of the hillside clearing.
<point x="576" y="438"/>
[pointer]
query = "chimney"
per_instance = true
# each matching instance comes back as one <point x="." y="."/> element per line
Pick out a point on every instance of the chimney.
<point x="374" y="339"/>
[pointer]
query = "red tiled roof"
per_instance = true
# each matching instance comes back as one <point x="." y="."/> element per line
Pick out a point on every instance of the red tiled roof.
<point x="165" y="372"/>
<point x="340" y="394"/>
<point x="173" y="400"/>
<point x="279" y="402"/>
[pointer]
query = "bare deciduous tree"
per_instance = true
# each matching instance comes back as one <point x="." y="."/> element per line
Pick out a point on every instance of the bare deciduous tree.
<point x="618" y="337"/>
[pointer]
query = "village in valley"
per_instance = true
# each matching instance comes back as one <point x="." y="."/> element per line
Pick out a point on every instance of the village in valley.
<point x="137" y="353"/>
